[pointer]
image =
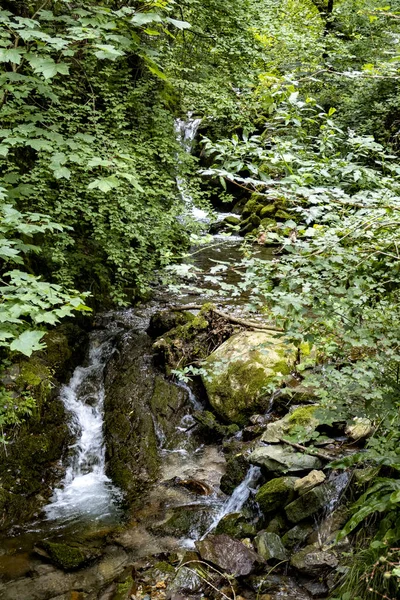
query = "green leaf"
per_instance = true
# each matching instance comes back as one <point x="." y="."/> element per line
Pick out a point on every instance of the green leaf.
<point x="179" y="24"/>
<point x="10" y="55"/>
<point x="62" y="172"/>
<point x="142" y="18"/>
<point x="28" y="342"/>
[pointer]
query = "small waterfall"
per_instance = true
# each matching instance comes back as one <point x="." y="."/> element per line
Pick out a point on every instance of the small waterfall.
<point x="239" y="497"/>
<point x="86" y="491"/>
<point x="186" y="130"/>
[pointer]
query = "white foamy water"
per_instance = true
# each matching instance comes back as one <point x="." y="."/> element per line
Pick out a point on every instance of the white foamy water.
<point x="186" y="130"/>
<point x="239" y="497"/>
<point x="86" y="491"/>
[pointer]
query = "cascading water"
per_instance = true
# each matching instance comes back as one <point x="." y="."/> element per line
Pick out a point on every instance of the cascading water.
<point x="239" y="497"/>
<point x="86" y="492"/>
<point x="186" y="130"/>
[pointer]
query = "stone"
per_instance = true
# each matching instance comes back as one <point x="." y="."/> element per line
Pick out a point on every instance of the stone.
<point x="236" y="470"/>
<point x="228" y="554"/>
<point x="313" y="561"/>
<point x="269" y="546"/>
<point x="310" y="481"/>
<point x="277" y="525"/>
<point x="359" y="428"/>
<point x="279" y="459"/>
<point x="275" y="494"/>
<point x="67" y="556"/>
<point x="239" y="370"/>
<point x="324" y="495"/>
<point x="300" y="422"/>
<point x="283" y="215"/>
<point x="186" y="581"/>
<point x="235" y="525"/>
<point x="317" y="589"/>
<point x="297" y="535"/>
<point x="267" y="210"/>
<point x="309" y="503"/>
<point x="209" y="424"/>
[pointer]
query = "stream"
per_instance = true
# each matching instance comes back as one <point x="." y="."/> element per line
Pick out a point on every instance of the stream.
<point x="186" y="502"/>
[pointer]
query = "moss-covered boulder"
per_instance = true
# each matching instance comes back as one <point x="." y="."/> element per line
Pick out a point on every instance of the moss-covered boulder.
<point x="252" y="207"/>
<point x="236" y="470"/>
<point x="275" y="494"/>
<point x="68" y="556"/>
<point x="300" y="423"/>
<point x="297" y="535"/>
<point x="235" y="525"/>
<point x="239" y="371"/>
<point x="211" y="427"/>
<point x="311" y="502"/>
<point x="248" y="225"/>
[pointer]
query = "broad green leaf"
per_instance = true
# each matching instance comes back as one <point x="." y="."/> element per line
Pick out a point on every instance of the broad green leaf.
<point x="28" y="342"/>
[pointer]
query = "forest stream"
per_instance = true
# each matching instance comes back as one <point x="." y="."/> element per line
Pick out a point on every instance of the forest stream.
<point x="150" y="486"/>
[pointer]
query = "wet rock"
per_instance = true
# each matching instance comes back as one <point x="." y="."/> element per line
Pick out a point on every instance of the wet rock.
<point x="184" y="521"/>
<point x="67" y="556"/>
<point x="200" y="488"/>
<point x="313" y="561"/>
<point x="277" y="587"/>
<point x="279" y="459"/>
<point x="186" y="581"/>
<point x="331" y="524"/>
<point x="300" y="421"/>
<point x="359" y="428"/>
<point x="228" y="554"/>
<point x="235" y="525"/>
<point x="164" y="320"/>
<point x="209" y="424"/>
<point x="311" y="502"/>
<point x="277" y="525"/>
<point x="310" y="481"/>
<point x="236" y="470"/>
<point x="317" y="589"/>
<point x="239" y="370"/>
<point x="270" y="547"/>
<point x="297" y="535"/>
<point x="275" y="494"/>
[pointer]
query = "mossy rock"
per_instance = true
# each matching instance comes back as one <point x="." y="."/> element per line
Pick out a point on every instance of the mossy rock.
<point x="252" y="207"/>
<point x="240" y="370"/>
<point x="231" y="220"/>
<point x="283" y="215"/>
<point x="236" y="471"/>
<point x="267" y="211"/>
<point x="69" y="557"/>
<point x="267" y="223"/>
<point x="297" y="535"/>
<point x="235" y="525"/>
<point x="301" y="423"/>
<point x="249" y="224"/>
<point x="165" y="320"/>
<point x="209" y="425"/>
<point x="275" y="494"/>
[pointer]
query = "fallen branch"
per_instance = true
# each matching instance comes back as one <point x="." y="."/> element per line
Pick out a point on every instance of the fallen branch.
<point x="321" y="455"/>
<point x="231" y="318"/>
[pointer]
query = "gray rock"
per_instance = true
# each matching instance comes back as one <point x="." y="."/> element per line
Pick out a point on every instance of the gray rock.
<point x="228" y="554"/>
<point x="359" y="428"/>
<point x="311" y="502"/>
<point x="279" y="459"/>
<point x="313" y="561"/>
<point x="186" y="581"/>
<point x="297" y="535"/>
<point x="317" y="589"/>
<point x="270" y="547"/>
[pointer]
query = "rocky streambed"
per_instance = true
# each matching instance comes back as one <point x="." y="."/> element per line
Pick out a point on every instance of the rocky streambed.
<point x="210" y="497"/>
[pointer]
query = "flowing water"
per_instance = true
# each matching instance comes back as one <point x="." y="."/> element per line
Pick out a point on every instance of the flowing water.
<point x="86" y="493"/>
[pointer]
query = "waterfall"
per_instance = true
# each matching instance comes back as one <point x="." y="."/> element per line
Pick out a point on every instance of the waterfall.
<point x="239" y="497"/>
<point x="186" y="130"/>
<point x="86" y="491"/>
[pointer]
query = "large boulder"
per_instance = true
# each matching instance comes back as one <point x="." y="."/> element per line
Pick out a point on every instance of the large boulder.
<point x="228" y="554"/>
<point x="310" y="481"/>
<point x="275" y="494"/>
<point x="310" y="503"/>
<point x="300" y="422"/>
<point x="279" y="459"/>
<point x="239" y="371"/>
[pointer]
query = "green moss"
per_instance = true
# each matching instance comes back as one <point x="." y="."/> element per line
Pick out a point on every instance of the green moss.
<point x="236" y="470"/>
<point x="64" y="556"/>
<point x="235" y="525"/>
<point x="275" y="494"/>
<point x="231" y="220"/>
<point x="124" y="589"/>
<point x="302" y="416"/>
<point x="249" y="224"/>
<point x="252" y="207"/>
<point x="268" y="210"/>
<point x="267" y="223"/>
<point x="283" y="215"/>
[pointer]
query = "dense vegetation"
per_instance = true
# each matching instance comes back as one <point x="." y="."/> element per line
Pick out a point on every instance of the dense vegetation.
<point x="300" y="101"/>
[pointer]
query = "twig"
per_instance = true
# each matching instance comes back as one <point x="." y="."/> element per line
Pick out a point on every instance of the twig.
<point x="231" y="318"/>
<point x="306" y="450"/>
